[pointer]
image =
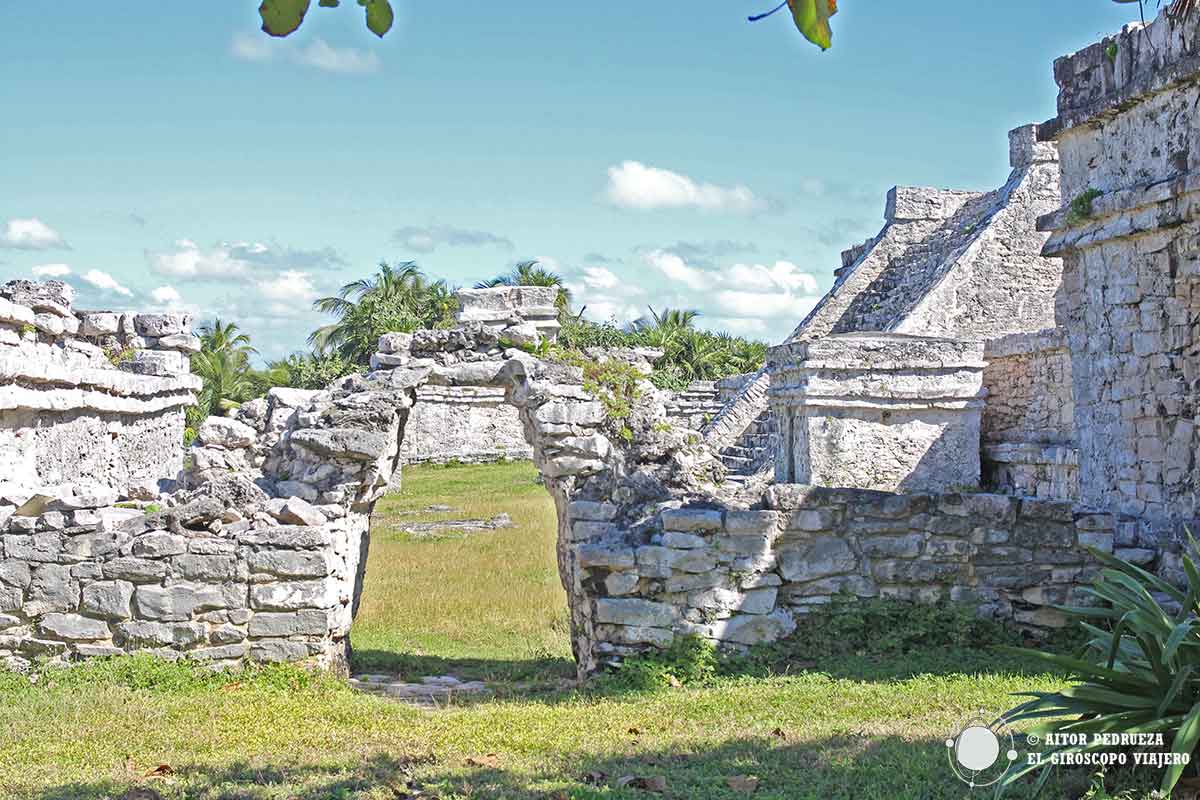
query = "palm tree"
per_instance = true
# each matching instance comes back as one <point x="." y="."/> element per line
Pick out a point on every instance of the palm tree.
<point x="396" y="298"/>
<point x="227" y="379"/>
<point x="531" y="273"/>
<point x="665" y="330"/>
<point x="216" y="336"/>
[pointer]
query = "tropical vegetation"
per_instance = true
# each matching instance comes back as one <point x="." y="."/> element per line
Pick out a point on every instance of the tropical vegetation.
<point x="400" y="297"/>
<point x="1139" y="672"/>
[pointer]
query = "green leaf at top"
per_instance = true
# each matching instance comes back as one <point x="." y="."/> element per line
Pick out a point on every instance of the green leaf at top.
<point x="812" y="18"/>
<point x="281" y="17"/>
<point x="379" y="16"/>
<point x="329" y="3"/>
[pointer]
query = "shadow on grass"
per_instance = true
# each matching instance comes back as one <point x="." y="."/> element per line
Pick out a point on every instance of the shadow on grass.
<point x="853" y="766"/>
<point x="492" y="670"/>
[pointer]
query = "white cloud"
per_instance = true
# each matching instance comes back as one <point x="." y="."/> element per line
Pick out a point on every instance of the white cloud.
<point x="166" y="295"/>
<point x="245" y="261"/>
<point x="344" y="60"/>
<point x="187" y="260"/>
<point x="31" y="234"/>
<point x="599" y="278"/>
<point x="289" y="293"/>
<point x="426" y="239"/>
<point x="51" y="270"/>
<point x="317" y="53"/>
<point x="638" y="186"/>
<point x="105" y="282"/>
<point x="751" y="299"/>
<point x="247" y="47"/>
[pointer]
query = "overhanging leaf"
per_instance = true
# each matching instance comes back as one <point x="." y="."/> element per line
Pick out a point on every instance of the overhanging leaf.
<point x="812" y="19"/>
<point x="281" y="17"/>
<point x="379" y="16"/>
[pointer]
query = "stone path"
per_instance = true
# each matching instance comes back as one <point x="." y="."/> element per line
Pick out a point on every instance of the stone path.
<point x="463" y="526"/>
<point x="434" y="691"/>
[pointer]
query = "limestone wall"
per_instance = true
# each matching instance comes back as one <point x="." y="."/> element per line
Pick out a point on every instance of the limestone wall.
<point x="471" y="424"/>
<point x="742" y="577"/>
<point x="1029" y="419"/>
<point x="1129" y="235"/>
<point x="92" y="398"/>
<point x="874" y="411"/>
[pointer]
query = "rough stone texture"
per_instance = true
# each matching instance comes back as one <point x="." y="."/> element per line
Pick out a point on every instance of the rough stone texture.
<point x="946" y="263"/>
<point x="67" y="414"/>
<point x="1029" y="420"/>
<point x="1130" y="302"/>
<point x="896" y="413"/>
<point x="471" y="424"/>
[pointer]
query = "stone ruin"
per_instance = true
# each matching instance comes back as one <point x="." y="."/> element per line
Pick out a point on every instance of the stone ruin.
<point x="996" y="383"/>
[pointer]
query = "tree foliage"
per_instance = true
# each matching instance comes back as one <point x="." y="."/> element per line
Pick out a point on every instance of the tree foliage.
<point x="283" y="17"/>
<point x="395" y="299"/>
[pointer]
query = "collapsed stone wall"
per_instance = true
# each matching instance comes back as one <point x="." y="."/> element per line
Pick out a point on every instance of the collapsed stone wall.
<point x="1129" y="236"/>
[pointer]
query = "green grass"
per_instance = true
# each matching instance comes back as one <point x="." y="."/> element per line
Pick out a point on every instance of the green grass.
<point x="856" y="724"/>
<point x="486" y="605"/>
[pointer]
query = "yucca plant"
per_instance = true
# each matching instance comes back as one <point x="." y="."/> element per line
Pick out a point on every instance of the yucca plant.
<point x="1139" y="672"/>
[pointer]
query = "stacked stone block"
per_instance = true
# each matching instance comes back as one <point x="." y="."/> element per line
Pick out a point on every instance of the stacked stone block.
<point x="1128" y="234"/>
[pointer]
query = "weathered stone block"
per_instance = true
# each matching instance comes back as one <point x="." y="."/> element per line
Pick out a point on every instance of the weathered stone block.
<point x="660" y="559"/>
<point x="592" y="511"/>
<point x="72" y="627"/>
<point x="632" y="611"/>
<point x="209" y="569"/>
<point x="158" y="544"/>
<point x="692" y="519"/>
<point x="157" y="634"/>
<point x="683" y="541"/>
<point x="308" y="622"/>
<point x="751" y="522"/>
<point x="893" y="546"/>
<point x="821" y="557"/>
<point x="136" y="570"/>
<point x="291" y="563"/>
<point x="108" y="599"/>
<point x="293" y="595"/>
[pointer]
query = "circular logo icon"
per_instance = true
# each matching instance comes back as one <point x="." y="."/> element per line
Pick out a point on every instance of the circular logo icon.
<point x="981" y="751"/>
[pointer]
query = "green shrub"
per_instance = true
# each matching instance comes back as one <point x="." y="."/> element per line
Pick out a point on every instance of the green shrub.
<point x="189" y="436"/>
<point x="689" y="661"/>
<point x="1139" y="672"/>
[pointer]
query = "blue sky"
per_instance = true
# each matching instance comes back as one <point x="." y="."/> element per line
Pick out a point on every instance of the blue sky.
<point x="170" y="154"/>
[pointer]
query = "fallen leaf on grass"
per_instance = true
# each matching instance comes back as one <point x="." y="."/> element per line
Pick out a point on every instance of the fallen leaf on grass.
<point x="654" y="784"/>
<point x="491" y="761"/>
<point x="747" y="784"/>
<point x="635" y="732"/>
<point x="161" y="771"/>
<point x="779" y="733"/>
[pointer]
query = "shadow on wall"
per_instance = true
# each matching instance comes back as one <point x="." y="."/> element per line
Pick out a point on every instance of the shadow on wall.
<point x="851" y="765"/>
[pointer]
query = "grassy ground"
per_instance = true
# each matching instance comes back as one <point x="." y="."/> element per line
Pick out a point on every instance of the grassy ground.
<point x="845" y="727"/>
<point x="485" y="605"/>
